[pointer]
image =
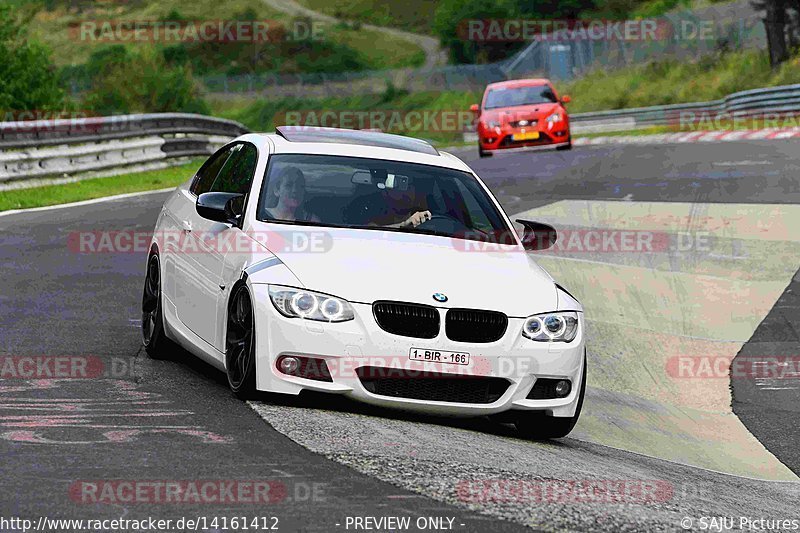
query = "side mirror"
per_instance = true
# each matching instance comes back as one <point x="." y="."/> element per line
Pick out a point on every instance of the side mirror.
<point x="475" y="108"/>
<point x="566" y="99"/>
<point x="220" y="206"/>
<point x="537" y="236"/>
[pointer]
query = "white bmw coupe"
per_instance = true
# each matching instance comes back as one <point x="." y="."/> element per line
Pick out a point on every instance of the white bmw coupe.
<point x="368" y="265"/>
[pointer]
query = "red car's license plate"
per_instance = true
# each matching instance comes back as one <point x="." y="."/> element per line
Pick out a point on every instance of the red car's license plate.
<point x="529" y="136"/>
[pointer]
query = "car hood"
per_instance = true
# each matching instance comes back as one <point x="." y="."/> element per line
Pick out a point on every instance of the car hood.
<point x="368" y="265"/>
<point x="526" y="112"/>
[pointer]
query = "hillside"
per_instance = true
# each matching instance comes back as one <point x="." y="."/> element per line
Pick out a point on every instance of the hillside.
<point x="410" y="15"/>
<point x="337" y="48"/>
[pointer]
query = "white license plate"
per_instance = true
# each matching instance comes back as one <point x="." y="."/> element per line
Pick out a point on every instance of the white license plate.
<point x="438" y="356"/>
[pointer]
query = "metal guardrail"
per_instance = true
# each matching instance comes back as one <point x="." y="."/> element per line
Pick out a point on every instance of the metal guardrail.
<point x="71" y="146"/>
<point x="778" y="100"/>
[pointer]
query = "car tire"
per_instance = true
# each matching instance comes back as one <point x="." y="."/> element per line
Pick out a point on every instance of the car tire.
<point x="240" y="346"/>
<point x="154" y="339"/>
<point x="538" y="426"/>
<point x="567" y="146"/>
<point x="483" y="153"/>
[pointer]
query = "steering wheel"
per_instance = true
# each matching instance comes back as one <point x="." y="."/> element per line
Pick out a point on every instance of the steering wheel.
<point x="444" y="223"/>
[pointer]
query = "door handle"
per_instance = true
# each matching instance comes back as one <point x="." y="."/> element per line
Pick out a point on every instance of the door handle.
<point x="186" y="226"/>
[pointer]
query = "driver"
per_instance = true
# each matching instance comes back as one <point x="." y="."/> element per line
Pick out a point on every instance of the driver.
<point x="401" y="206"/>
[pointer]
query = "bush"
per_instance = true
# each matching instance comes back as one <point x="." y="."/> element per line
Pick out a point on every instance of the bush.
<point x="392" y="93"/>
<point x="28" y="79"/>
<point x="144" y="82"/>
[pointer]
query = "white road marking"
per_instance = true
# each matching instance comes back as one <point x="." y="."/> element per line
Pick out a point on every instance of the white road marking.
<point x="739" y="163"/>
<point x="83" y="202"/>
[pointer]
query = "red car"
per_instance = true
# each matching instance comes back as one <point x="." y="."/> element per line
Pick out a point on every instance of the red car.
<point x="522" y="115"/>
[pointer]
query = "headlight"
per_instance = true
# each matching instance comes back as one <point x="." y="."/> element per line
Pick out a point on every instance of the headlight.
<point x="551" y="327"/>
<point x="300" y="303"/>
<point x="555" y="117"/>
<point x="488" y="124"/>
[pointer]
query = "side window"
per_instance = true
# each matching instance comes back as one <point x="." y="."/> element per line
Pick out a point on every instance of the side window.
<point x="208" y="172"/>
<point x="237" y="173"/>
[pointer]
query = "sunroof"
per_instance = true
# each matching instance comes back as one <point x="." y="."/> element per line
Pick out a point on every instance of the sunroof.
<point x="313" y="134"/>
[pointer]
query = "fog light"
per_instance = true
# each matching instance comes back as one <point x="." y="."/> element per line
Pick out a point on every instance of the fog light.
<point x="288" y="365"/>
<point x="562" y="388"/>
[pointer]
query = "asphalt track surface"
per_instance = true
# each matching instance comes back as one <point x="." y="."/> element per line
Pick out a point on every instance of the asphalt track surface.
<point x="768" y="403"/>
<point x="176" y="420"/>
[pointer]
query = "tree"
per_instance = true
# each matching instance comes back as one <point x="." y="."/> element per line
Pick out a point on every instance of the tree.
<point x="450" y="22"/>
<point x="452" y="16"/>
<point x="782" y="26"/>
<point x="28" y="79"/>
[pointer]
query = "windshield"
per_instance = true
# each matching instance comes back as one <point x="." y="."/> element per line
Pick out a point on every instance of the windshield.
<point x="539" y="94"/>
<point x="366" y="193"/>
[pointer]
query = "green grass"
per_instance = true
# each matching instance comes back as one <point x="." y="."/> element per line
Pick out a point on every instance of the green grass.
<point x="651" y="130"/>
<point x="97" y="187"/>
<point x="378" y="51"/>
<point x="365" y="50"/>
<point x="409" y="15"/>
<point x="675" y="82"/>
<point x="261" y="115"/>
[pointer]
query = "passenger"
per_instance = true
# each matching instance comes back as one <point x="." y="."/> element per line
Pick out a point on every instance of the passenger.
<point x="289" y="192"/>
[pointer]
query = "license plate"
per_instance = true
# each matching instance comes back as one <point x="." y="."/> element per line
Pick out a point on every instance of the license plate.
<point x="438" y="356"/>
<point x="530" y="136"/>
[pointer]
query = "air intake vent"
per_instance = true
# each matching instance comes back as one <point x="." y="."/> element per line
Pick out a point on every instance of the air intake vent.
<point x="431" y="386"/>
<point x="409" y="320"/>
<point x="472" y="325"/>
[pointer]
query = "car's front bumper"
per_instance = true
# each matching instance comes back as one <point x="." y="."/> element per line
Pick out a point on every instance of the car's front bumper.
<point x="527" y="148"/>
<point x="347" y="346"/>
<point x="501" y="139"/>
